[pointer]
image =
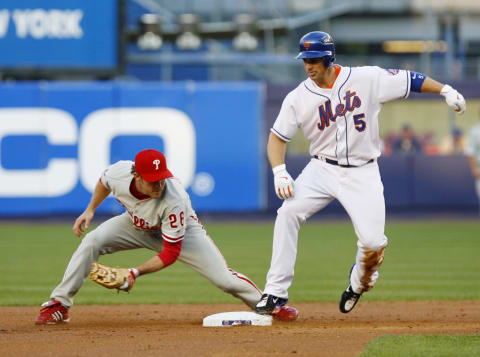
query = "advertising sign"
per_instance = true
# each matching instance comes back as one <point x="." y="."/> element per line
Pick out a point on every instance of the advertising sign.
<point x="57" y="138"/>
<point x="62" y="34"/>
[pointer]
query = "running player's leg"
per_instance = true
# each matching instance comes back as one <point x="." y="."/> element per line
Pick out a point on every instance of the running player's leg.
<point x="362" y="198"/>
<point x="113" y="235"/>
<point x="314" y="189"/>
<point x="201" y="253"/>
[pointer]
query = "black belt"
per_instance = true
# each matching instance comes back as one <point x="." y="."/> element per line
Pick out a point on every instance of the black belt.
<point x="333" y="162"/>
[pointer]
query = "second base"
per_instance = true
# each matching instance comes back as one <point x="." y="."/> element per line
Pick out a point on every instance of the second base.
<point x="236" y="318"/>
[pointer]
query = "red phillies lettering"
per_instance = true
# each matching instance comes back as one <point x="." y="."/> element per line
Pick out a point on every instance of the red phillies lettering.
<point x="142" y="224"/>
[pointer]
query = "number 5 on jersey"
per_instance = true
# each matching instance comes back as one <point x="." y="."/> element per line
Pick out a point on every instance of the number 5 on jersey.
<point x="360" y="124"/>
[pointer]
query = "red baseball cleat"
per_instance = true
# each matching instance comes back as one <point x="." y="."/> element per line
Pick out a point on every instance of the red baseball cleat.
<point x="51" y="313"/>
<point x="286" y="313"/>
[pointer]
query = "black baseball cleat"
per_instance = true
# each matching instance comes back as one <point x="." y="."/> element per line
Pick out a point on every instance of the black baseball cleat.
<point x="269" y="305"/>
<point x="348" y="300"/>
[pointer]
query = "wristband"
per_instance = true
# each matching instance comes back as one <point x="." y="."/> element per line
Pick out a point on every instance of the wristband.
<point x="279" y="168"/>
<point x="135" y="272"/>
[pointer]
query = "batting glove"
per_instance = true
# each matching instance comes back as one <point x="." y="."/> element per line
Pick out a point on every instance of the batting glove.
<point x="283" y="182"/>
<point x="454" y="99"/>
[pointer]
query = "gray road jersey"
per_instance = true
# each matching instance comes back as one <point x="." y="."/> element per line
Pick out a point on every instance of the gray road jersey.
<point x="170" y="215"/>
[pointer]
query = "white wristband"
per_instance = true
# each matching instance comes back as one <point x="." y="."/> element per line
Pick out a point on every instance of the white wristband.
<point x="279" y="168"/>
<point x="135" y="271"/>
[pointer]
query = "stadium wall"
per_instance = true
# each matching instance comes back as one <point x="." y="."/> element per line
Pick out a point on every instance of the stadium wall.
<point x="57" y="137"/>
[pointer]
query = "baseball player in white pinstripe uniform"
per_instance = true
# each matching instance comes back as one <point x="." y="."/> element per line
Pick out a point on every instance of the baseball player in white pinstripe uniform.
<point x="337" y="110"/>
<point x="158" y="216"/>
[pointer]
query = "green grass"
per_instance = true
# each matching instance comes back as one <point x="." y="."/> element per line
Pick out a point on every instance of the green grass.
<point x="423" y="346"/>
<point x="426" y="260"/>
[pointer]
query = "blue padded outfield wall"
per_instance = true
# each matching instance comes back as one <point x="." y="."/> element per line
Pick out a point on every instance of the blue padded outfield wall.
<point x="57" y="137"/>
<point x="412" y="183"/>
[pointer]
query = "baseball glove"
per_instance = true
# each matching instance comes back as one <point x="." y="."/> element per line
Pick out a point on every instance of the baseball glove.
<point x="112" y="278"/>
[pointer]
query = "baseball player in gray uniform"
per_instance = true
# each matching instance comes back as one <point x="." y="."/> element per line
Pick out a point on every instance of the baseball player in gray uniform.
<point x="337" y="109"/>
<point x="473" y="153"/>
<point x="158" y="216"/>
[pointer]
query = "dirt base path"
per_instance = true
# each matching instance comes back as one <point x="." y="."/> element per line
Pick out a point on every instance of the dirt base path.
<point x="176" y="330"/>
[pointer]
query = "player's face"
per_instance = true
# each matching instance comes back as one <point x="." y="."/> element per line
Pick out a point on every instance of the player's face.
<point x="152" y="189"/>
<point x="315" y="68"/>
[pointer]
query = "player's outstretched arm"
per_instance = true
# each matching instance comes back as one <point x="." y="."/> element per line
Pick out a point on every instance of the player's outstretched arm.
<point x="83" y="221"/>
<point x="276" y="149"/>
<point x="453" y="98"/>
<point x="123" y="279"/>
<point x="168" y="256"/>
<point x="150" y="266"/>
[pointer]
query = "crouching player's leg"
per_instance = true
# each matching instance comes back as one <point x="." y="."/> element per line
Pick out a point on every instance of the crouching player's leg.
<point x="113" y="235"/>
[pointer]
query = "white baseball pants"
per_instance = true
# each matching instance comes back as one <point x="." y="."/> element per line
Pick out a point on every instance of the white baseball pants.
<point x="360" y="191"/>
<point x="118" y="233"/>
<point x="477" y="188"/>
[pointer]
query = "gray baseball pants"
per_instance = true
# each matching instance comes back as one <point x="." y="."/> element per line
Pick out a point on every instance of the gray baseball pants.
<point x="118" y="233"/>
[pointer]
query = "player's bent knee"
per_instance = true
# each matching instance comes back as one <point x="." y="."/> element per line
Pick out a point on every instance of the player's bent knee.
<point x="91" y="245"/>
<point x="291" y="211"/>
<point x="374" y="244"/>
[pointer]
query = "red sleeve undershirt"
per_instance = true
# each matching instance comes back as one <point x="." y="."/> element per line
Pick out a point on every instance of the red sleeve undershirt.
<point x="170" y="252"/>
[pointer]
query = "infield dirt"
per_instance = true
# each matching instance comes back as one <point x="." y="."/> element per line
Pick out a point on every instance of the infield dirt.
<point x="176" y="330"/>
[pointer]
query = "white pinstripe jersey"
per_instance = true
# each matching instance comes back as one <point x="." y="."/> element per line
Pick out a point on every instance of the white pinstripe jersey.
<point x="171" y="214"/>
<point x="341" y="123"/>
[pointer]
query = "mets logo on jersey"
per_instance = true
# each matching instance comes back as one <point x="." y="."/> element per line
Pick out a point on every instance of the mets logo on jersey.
<point x="352" y="101"/>
<point x="393" y="71"/>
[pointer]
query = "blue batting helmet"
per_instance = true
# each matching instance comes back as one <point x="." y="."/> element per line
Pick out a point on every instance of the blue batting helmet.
<point x="317" y="44"/>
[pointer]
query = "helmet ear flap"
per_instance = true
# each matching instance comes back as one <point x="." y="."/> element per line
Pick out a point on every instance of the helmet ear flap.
<point x="328" y="61"/>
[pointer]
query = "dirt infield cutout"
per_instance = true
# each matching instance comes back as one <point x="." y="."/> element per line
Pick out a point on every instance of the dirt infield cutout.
<point x="176" y="330"/>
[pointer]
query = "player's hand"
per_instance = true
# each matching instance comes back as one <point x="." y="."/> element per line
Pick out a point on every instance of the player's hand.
<point x="283" y="182"/>
<point x="454" y="99"/>
<point x="82" y="223"/>
<point x="113" y="278"/>
<point x="128" y="284"/>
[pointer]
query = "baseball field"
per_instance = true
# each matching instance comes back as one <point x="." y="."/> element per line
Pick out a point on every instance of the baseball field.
<point x="426" y="302"/>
